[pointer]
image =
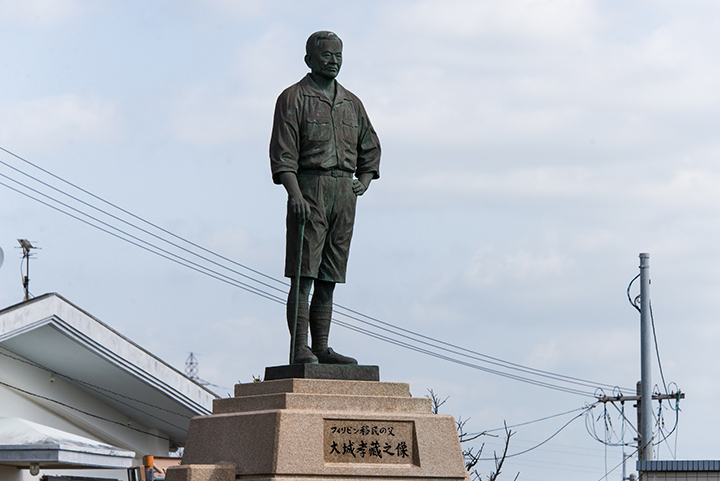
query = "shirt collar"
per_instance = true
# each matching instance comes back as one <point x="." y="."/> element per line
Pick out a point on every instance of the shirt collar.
<point x="310" y="89"/>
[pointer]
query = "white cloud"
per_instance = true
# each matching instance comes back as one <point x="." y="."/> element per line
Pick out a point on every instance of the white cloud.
<point x="240" y="8"/>
<point x="519" y="19"/>
<point x="493" y="265"/>
<point x="567" y="347"/>
<point x="49" y="123"/>
<point x="204" y="118"/>
<point x="42" y="12"/>
<point x="239" y="106"/>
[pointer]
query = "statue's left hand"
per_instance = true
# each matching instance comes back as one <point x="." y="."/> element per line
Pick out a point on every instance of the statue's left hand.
<point x="358" y="187"/>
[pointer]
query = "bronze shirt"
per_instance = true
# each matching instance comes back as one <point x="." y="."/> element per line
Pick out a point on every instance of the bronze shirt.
<point x="312" y="133"/>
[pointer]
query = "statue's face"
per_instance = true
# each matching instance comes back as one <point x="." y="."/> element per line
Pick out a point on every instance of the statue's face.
<point x="326" y="59"/>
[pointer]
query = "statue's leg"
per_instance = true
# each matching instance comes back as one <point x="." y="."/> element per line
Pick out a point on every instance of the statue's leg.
<point x="303" y="354"/>
<point x="320" y="320"/>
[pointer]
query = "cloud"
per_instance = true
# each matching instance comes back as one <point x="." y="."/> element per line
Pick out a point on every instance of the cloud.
<point x="517" y="19"/>
<point x="566" y="348"/>
<point x="492" y="266"/>
<point x="239" y="8"/>
<point x="38" y="12"/>
<point x="204" y="118"/>
<point x="49" y="123"/>
<point x="239" y="106"/>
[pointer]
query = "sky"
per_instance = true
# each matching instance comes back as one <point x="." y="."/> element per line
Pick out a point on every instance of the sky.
<point x="531" y="151"/>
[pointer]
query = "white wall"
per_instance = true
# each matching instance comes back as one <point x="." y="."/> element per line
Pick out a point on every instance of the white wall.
<point x="14" y="403"/>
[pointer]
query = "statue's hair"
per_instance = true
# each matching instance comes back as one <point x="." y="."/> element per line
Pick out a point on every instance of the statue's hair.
<point x="314" y="40"/>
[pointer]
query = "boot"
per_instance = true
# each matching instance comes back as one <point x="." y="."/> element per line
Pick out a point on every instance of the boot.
<point x="320" y="319"/>
<point x="303" y="354"/>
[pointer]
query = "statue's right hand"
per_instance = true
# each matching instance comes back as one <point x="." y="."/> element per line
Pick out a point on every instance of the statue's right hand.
<point x="300" y="208"/>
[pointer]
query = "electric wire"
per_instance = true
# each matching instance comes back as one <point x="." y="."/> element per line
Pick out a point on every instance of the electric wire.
<point x="344" y="311"/>
<point x="279" y="300"/>
<point x="97" y="388"/>
<point x="607" y="438"/>
<point x="96" y="416"/>
<point x="624" y="418"/>
<point x="628" y="294"/>
<point x="657" y="350"/>
<point x="506" y="364"/>
<point x="460" y="362"/>
<point x="585" y="410"/>
<point x="530" y="422"/>
<point x="608" y="473"/>
<point x="233" y="283"/>
<point x="131" y="236"/>
<point x="652" y="321"/>
<point x="457" y="350"/>
<point x="268" y="296"/>
<point x="669" y="433"/>
<point x="242" y="285"/>
<point x="476" y="355"/>
<point x="126" y="212"/>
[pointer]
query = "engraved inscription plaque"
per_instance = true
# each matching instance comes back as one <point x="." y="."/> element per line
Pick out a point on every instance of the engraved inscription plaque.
<point x="369" y="441"/>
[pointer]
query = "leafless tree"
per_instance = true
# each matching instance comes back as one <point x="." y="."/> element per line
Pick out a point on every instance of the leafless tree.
<point x="471" y="456"/>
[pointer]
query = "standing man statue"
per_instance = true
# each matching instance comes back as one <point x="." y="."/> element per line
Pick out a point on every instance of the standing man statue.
<point x="325" y="152"/>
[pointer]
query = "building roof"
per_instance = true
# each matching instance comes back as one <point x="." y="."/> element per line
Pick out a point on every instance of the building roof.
<point x="25" y="442"/>
<point x="57" y="336"/>
<point x="677" y="465"/>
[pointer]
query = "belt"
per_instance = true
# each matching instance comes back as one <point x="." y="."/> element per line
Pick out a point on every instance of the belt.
<point x="332" y="172"/>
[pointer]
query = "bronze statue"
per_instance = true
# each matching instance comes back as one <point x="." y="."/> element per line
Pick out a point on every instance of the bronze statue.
<point x="325" y="152"/>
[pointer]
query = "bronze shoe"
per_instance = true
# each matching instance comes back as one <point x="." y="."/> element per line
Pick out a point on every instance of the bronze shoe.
<point x="304" y="355"/>
<point x="328" y="356"/>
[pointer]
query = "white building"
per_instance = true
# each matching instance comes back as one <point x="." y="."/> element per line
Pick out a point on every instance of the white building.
<point x="79" y="399"/>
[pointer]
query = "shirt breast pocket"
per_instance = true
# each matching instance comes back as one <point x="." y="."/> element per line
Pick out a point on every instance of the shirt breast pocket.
<point x="318" y="130"/>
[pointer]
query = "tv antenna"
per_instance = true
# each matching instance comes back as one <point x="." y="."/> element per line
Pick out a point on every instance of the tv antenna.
<point x="26" y="247"/>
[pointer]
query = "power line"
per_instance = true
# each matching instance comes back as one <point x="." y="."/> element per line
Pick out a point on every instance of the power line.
<point x="123" y="211"/>
<point x="259" y="292"/>
<point x="534" y="421"/>
<point x="618" y="465"/>
<point x="98" y="389"/>
<point x="96" y="416"/>
<point x="411" y="336"/>
<point x="585" y="410"/>
<point x="268" y="296"/>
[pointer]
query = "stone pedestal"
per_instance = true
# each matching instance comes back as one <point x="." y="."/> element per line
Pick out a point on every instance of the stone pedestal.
<point x="321" y="429"/>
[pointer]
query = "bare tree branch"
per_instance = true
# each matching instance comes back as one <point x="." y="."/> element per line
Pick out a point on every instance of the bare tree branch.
<point x="469" y="455"/>
<point x="499" y="462"/>
<point x="436" y="402"/>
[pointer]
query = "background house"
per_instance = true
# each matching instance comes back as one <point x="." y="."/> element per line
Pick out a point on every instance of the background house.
<point x="78" y="398"/>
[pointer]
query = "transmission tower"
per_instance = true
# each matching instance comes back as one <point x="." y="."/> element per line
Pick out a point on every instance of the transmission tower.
<point x="191" y="367"/>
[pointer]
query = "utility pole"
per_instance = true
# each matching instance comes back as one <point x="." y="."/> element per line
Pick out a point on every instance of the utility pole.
<point x="26" y="247"/>
<point x="644" y="396"/>
<point x="646" y="418"/>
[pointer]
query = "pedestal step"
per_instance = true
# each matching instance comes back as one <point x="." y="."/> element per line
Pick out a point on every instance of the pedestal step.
<point x="318" y="430"/>
<point x="323" y="402"/>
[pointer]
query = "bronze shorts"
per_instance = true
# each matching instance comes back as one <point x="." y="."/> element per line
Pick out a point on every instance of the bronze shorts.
<point x="328" y="231"/>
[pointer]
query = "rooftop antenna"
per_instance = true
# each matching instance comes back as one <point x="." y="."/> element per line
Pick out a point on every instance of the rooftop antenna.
<point x="26" y="247"/>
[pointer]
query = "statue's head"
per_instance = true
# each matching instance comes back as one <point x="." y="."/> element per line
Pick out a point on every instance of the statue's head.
<point x="323" y="54"/>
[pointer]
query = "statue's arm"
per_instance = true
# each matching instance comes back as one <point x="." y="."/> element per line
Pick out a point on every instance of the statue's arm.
<point x="285" y="138"/>
<point x="368" y="162"/>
